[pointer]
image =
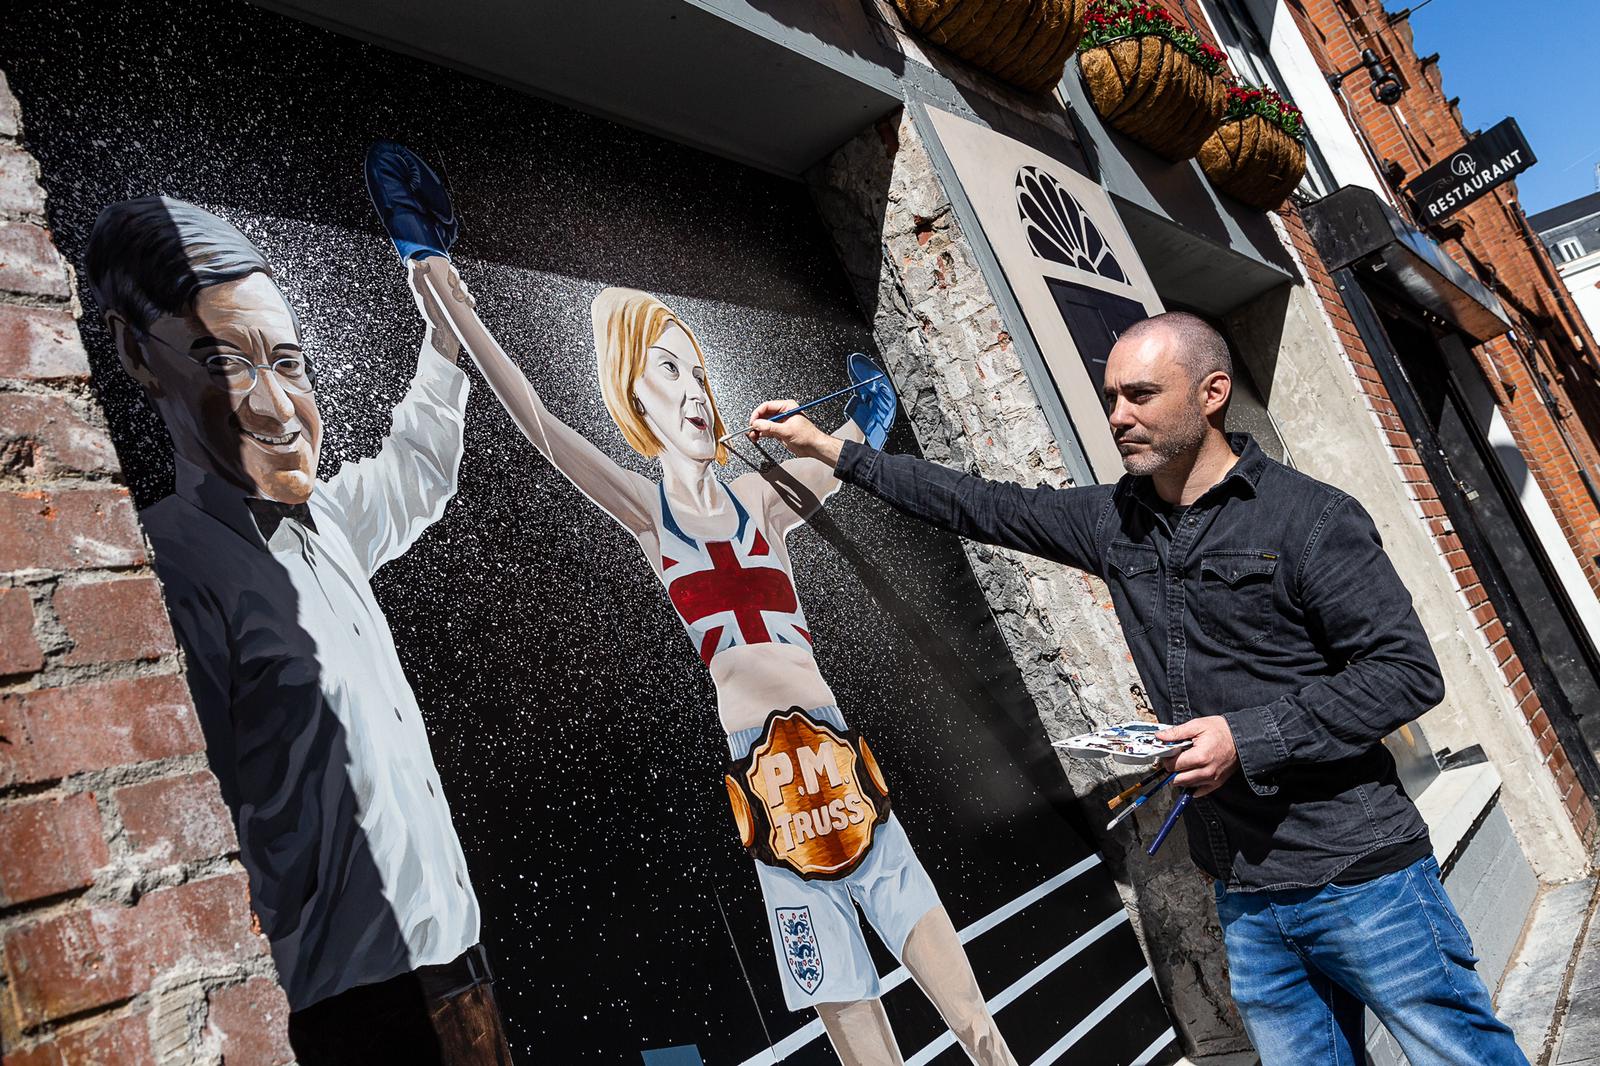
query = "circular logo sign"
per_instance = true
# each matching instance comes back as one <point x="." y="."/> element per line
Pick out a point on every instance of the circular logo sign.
<point x="1463" y="165"/>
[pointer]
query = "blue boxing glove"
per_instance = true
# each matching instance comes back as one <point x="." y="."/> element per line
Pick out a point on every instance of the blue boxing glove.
<point x="411" y="201"/>
<point x="871" y="407"/>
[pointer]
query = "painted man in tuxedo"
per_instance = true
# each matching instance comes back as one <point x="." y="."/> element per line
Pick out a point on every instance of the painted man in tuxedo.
<point x="311" y="727"/>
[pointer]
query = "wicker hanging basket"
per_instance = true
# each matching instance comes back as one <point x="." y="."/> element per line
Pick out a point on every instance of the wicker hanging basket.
<point x="1155" y="93"/>
<point x="1026" y="44"/>
<point x="1254" y="161"/>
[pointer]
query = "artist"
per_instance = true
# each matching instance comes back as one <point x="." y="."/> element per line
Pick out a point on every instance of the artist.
<point x="1272" y="631"/>
<point x="356" y="873"/>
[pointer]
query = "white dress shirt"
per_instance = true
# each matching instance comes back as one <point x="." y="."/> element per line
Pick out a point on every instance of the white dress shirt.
<point x="355" y="869"/>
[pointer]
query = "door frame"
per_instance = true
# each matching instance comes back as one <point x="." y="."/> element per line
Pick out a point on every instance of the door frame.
<point x="1496" y="583"/>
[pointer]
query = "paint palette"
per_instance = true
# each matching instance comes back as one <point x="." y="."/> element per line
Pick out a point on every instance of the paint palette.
<point x="1133" y="742"/>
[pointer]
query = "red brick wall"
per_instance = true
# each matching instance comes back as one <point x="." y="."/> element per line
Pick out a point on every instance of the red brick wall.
<point x="1422" y="129"/>
<point x="125" y="927"/>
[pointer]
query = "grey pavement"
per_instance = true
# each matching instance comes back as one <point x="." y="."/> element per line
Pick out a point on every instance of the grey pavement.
<point x="1537" y="983"/>
<point x="1577" y="1040"/>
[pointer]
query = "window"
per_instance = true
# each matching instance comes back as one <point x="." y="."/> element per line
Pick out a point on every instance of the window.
<point x="1570" y="249"/>
<point x="1095" y="319"/>
<point x="1251" y="59"/>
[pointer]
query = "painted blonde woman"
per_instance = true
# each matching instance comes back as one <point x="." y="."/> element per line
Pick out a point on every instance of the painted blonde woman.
<point x="809" y="801"/>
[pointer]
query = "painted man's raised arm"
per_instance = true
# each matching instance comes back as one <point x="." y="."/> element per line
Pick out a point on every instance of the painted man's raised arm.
<point x="384" y="502"/>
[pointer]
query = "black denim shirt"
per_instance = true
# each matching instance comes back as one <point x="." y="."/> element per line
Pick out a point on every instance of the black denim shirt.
<point x="1270" y="601"/>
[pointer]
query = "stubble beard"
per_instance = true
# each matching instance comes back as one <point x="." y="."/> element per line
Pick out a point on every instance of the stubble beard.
<point x="1181" y="442"/>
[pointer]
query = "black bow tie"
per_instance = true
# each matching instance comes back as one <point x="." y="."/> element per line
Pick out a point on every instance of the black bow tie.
<point x="270" y="515"/>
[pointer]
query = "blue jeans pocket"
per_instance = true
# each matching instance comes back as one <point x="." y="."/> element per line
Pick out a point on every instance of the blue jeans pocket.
<point x="1428" y="873"/>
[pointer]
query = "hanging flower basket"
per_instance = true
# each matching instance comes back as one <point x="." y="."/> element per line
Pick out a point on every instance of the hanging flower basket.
<point x="1151" y="79"/>
<point x="1257" y="155"/>
<point x="1024" y="44"/>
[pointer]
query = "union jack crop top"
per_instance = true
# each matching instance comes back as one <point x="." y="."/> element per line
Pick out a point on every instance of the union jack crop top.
<point x="729" y="592"/>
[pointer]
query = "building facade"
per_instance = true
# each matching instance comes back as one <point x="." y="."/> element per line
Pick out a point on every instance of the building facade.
<point x="987" y="243"/>
<point x="1571" y="233"/>
<point x="1539" y="374"/>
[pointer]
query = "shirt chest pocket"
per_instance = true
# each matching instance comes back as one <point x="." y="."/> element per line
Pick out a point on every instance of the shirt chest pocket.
<point x="1234" y="599"/>
<point x="1135" y="578"/>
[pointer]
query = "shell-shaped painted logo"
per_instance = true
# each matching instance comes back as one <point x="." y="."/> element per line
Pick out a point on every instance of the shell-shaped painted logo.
<point x="1059" y="229"/>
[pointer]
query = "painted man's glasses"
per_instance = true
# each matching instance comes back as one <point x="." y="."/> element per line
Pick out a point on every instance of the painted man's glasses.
<point x="239" y="375"/>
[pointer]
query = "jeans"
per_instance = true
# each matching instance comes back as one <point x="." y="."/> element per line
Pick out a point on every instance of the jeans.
<point x="1303" y="963"/>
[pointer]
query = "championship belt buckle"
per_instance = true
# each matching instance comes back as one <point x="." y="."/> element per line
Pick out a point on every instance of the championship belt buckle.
<point x="808" y="797"/>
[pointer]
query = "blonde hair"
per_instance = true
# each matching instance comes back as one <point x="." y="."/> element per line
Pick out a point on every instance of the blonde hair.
<point x="626" y="323"/>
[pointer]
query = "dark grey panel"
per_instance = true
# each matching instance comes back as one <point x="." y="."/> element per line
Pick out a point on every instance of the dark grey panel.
<point x="1193" y="270"/>
<point x="736" y="81"/>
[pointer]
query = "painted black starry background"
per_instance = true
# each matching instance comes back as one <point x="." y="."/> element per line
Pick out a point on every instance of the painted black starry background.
<point x="573" y="725"/>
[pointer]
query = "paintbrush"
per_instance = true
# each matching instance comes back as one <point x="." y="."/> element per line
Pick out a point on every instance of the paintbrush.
<point x="1144" y="798"/>
<point x="1133" y="790"/>
<point x="1172" y="820"/>
<point x="780" y="416"/>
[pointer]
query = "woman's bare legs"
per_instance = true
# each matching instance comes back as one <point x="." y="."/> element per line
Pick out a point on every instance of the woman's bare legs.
<point x="860" y="1033"/>
<point x="936" y="959"/>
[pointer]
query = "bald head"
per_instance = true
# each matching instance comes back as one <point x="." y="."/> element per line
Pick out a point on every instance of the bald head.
<point x="1186" y="338"/>
<point x="1167" y="384"/>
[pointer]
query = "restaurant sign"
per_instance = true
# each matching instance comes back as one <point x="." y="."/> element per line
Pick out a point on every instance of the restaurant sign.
<point x="1485" y="163"/>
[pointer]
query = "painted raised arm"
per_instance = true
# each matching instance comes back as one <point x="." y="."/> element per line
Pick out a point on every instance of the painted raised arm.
<point x="620" y="493"/>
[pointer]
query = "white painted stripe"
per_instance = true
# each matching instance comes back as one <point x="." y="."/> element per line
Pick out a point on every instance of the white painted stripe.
<point x="898" y="976"/>
<point x="787" y="1046"/>
<point x="1054" y="962"/>
<point x="1060" y="1047"/>
<point x="1150" y="1052"/>
<point x="944" y="1043"/>
<point x="1027" y="899"/>
<point x="947" y="1039"/>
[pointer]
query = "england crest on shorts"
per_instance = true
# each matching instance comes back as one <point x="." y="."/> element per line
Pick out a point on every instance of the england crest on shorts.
<point x="800" y="948"/>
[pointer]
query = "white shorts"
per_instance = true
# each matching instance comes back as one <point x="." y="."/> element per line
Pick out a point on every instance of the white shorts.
<point x="816" y="935"/>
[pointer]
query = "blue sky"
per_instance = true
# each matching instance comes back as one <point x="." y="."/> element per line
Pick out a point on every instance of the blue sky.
<point x="1537" y="60"/>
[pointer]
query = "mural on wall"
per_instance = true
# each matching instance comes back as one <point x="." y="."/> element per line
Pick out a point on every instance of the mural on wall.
<point x="355" y="869"/>
<point x="810" y="803"/>
<point x="436" y="678"/>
